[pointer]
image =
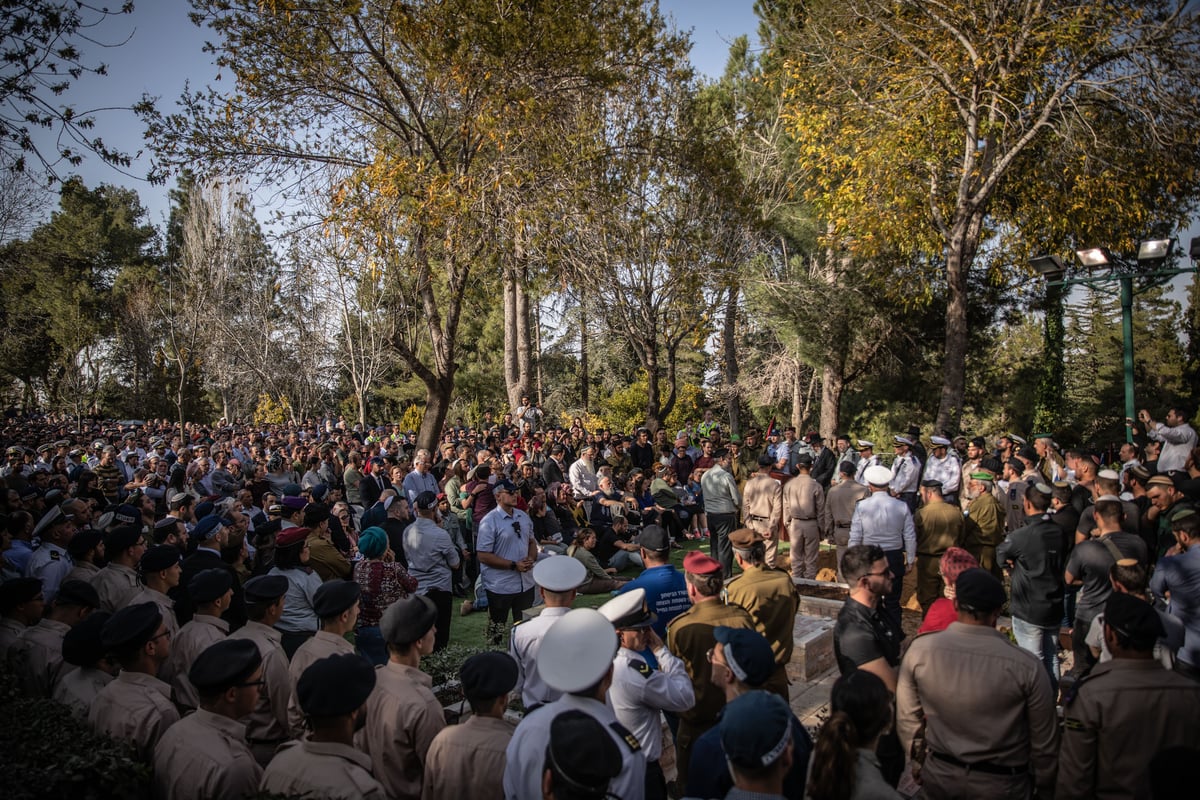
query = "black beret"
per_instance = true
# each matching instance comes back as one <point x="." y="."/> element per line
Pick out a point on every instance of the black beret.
<point x="334" y="597"/>
<point x="127" y="514"/>
<point x="132" y="626"/>
<point x="1133" y="617"/>
<point x="488" y="675"/>
<point x="993" y="465"/>
<point x="265" y="588"/>
<point x="804" y="460"/>
<point x="120" y="539"/>
<point x="83" y="541"/>
<point x="158" y="558"/>
<point x="932" y="484"/>
<point x="335" y="686"/>
<point x="209" y="585"/>
<point x="582" y="752"/>
<point x="408" y="619"/>
<point x="77" y="593"/>
<point x="82" y="646"/>
<point x="1028" y="453"/>
<point x="225" y="663"/>
<point x="979" y="590"/>
<point x="17" y="591"/>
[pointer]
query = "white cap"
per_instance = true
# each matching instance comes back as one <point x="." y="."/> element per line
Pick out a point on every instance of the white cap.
<point x="939" y="441"/>
<point x="559" y="573"/>
<point x="902" y="440"/>
<point x="1108" y="475"/>
<point x="862" y="444"/>
<point x="878" y="475"/>
<point x="628" y="610"/>
<point x="577" y="650"/>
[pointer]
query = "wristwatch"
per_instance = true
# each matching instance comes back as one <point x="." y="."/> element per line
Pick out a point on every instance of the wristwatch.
<point x="512" y="565"/>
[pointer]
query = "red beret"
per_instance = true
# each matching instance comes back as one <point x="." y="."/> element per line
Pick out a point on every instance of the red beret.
<point x="698" y="563"/>
<point x="290" y="536"/>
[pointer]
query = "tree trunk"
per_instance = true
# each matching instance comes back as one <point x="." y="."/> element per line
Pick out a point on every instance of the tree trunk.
<point x="537" y="345"/>
<point x="524" y="339"/>
<point x="653" y="398"/>
<point x="437" y="406"/>
<point x="511" y="377"/>
<point x="832" y="381"/>
<point x="583" y="356"/>
<point x="729" y="346"/>
<point x="797" y="397"/>
<point x="361" y="396"/>
<point x="964" y="239"/>
<point x="1048" y="410"/>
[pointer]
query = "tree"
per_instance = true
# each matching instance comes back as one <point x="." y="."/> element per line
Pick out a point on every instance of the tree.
<point x="916" y="118"/>
<point x="427" y="110"/>
<point x="39" y="48"/>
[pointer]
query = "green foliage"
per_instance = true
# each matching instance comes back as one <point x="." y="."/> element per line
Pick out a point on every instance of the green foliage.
<point x="625" y="408"/>
<point x="49" y="753"/>
<point x="443" y="666"/>
<point x="270" y="411"/>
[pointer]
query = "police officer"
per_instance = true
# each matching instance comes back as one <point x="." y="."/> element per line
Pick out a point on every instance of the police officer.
<point x="267" y="724"/>
<point x="204" y="756"/>
<point x="50" y="562"/>
<point x="575" y="658"/>
<point x="557" y="578"/>
<point x="762" y="505"/>
<point x="885" y="521"/>
<point x="640" y="692"/>
<point x="770" y="597"/>
<point x="803" y="509"/>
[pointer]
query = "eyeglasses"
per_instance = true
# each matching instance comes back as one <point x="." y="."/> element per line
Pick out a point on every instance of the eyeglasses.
<point x="248" y="684"/>
<point x="166" y="633"/>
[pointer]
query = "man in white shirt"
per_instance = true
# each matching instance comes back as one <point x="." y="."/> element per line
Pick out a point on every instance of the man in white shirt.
<point x="1177" y="436"/>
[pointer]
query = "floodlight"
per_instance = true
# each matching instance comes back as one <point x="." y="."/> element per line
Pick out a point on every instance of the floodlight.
<point x="1047" y="265"/>
<point x="1155" y="250"/>
<point x="1093" y="257"/>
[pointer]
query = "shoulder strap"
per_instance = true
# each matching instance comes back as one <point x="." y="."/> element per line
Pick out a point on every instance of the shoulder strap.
<point x="1113" y="550"/>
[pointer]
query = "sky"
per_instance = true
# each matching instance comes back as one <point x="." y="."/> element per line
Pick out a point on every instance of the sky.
<point x="157" y="51"/>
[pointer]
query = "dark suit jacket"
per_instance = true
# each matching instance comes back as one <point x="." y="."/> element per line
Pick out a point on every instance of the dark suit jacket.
<point x="370" y="489"/>
<point x="197" y="562"/>
<point x="552" y="472"/>
<point x="823" y="467"/>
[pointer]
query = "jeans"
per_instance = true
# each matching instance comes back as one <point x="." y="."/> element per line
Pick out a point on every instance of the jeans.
<point x="623" y="558"/>
<point x="1042" y="642"/>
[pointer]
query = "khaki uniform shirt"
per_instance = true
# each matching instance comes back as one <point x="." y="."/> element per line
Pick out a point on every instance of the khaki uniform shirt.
<point x="984" y="524"/>
<point x="982" y="699"/>
<point x="690" y="636"/>
<point x="804" y="499"/>
<point x="467" y="760"/>
<point x="762" y="503"/>
<point x="165" y="605"/>
<point x="323" y="645"/>
<point x="135" y="708"/>
<point x="36" y="657"/>
<point x="1124" y="713"/>
<point x="840" y="501"/>
<point x="204" y="756"/>
<point x="78" y="688"/>
<point x="326" y="560"/>
<point x="83" y="571"/>
<point x="193" y="639"/>
<point x="10" y="630"/>
<point x="404" y="717"/>
<point x="772" y="601"/>
<point x="939" y="527"/>
<point x="325" y="770"/>
<point x="268" y="722"/>
<point x="117" y="585"/>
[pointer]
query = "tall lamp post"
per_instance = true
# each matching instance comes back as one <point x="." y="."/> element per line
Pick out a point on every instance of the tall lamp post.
<point x="1151" y="268"/>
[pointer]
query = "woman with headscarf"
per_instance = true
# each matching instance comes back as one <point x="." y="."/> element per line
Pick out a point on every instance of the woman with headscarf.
<point x="384" y="581"/>
<point x="955" y="561"/>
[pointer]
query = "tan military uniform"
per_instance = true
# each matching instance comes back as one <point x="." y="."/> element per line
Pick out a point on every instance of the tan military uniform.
<point x="840" y="501"/>
<point x="968" y="467"/>
<point x="78" y="688"/>
<point x="467" y="760"/>
<point x="403" y="720"/>
<point x="83" y="571"/>
<point x="135" y="708"/>
<point x="771" y="599"/>
<point x="10" y="630"/>
<point x="984" y="701"/>
<point x="983" y="531"/>
<point x="689" y="637"/>
<point x="1124" y="713"/>
<point x="117" y="585"/>
<point x="267" y="727"/>
<point x="323" y="645"/>
<point x="166" y="607"/>
<point x="323" y="769"/>
<point x="939" y="527"/>
<point x="36" y="657"/>
<point x="325" y="559"/>
<point x="193" y="639"/>
<point x="204" y="756"/>
<point x="803" y="512"/>
<point x="762" y="510"/>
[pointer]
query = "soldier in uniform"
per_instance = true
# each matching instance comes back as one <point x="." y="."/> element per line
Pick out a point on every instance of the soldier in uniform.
<point x="85" y="548"/>
<point x="332" y="693"/>
<point x="971" y="464"/>
<point x="21" y="605"/>
<point x="803" y="511"/>
<point x="576" y="659"/>
<point x="118" y="583"/>
<point x="762" y="505"/>
<point x="866" y="460"/>
<point x="944" y="467"/>
<point x="640" y="692"/>
<point x="770" y="597"/>
<point x="267" y="724"/>
<point x="82" y="649"/>
<point x="136" y="707"/>
<point x="840" y="502"/>
<point x="204" y="756"/>
<point x="983" y="529"/>
<point x="50" y="562"/>
<point x="1126" y="712"/>
<point x="750" y="450"/>
<point x="953" y="681"/>
<point x="212" y="591"/>
<point x="161" y="568"/>
<point x="939" y="526"/>
<point x="906" y="472"/>
<point x="465" y="759"/>
<point x="336" y="607"/>
<point x="557" y="578"/>
<point x="690" y="637"/>
<point x="36" y="656"/>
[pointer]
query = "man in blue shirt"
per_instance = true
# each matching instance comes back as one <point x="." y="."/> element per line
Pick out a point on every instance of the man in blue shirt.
<point x="666" y="588"/>
<point x="1180" y="576"/>
<point x="507" y="551"/>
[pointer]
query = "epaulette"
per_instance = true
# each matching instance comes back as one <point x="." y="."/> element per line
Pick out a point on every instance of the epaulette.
<point x="679" y="616"/>
<point x="522" y="621"/>
<point x="54" y="555"/>
<point x="641" y="667"/>
<point x="624" y="734"/>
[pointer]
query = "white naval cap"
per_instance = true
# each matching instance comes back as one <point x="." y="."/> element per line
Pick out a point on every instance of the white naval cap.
<point x="629" y="610"/>
<point x="878" y="475"/>
<point x="863" y="444"/>
<point x="902" y="440"/>
<point x="939" y="441"/>
<point x="577" y="650"/>
<point x="559" y="573"/>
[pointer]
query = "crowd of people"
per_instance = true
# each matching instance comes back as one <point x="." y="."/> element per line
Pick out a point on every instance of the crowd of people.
<point x="248" y="606"/>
